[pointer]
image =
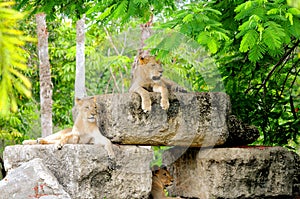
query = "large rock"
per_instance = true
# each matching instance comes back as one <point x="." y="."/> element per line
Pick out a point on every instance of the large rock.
<point x="31" y="180"/>
<point x="193" y="119"/>
<point x="233" y="173"/>
<point x="85" y="171"/>
<point x="240" y="133"/>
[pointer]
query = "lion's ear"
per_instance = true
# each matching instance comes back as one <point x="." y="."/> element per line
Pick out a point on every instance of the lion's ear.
<point x="164" y="167"/>
<point x="155" y="169"/>
<point x="78" y="100"/>
<point x="142" y="60"/>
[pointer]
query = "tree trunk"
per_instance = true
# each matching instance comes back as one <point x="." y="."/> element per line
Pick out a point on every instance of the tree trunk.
<point x="145" y="34"/>
<point x="45" y="76"/>
<point x="80" y="60"/>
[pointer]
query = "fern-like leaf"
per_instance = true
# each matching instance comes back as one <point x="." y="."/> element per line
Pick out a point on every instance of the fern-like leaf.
<point x="121" y="9"/>
<point x="273" y="35"/>
<point x="249" y="40"/>
<point x="256" y="53"/>
<point x="213" y="45"/>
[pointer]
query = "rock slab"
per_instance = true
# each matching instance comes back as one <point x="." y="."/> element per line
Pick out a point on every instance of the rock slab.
<point x="84" y="171"/>
<point x="233" y="173"/>
<point x="32" y="180"/>
<point x="193" y="119"/>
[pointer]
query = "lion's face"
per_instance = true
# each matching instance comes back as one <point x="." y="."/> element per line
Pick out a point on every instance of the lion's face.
<point x="87" y="108"/>
<point x="151" y="67"/>
<point x="164" y="176"/>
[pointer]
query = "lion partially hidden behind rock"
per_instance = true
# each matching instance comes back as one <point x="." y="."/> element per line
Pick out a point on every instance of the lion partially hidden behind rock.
<point x="161" y="178"/>
<point x="84" y="131"/>
<point x="147" y="77"/>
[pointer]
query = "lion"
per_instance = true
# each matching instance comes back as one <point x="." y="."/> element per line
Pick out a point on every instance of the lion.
<point x="84" y="131"/>
<point x="161" y="178"/>
<point x="147" y="77"/>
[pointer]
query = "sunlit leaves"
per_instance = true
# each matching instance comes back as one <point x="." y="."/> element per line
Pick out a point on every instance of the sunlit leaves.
<point x="109" y="11"/>
<point x="294" y="3"/>
<point x="13" y="83"/>
<point x="201" y="22"/>
<point x="249" y="40"/>
<point x="263" y="22"/>
<point x="273" y="35"/>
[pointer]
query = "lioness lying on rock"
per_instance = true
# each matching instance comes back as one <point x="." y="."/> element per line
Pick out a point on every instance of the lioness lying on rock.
<point x="84" y="131"/>
<point x="147" y="77"/>
<point x="161" y="178"/>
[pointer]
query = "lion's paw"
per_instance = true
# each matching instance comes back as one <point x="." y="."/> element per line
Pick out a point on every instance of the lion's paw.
<point x="146" y="107"/>
<point x="58" y="146"/>
<point x="164" y="104"/>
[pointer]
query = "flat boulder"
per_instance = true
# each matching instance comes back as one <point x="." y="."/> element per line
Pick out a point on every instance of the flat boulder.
<point x="193" y="119"/>
<point x="233" y="173"/>
<point x="85" y="171"/>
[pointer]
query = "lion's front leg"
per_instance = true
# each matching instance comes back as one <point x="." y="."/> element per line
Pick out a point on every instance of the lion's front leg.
<point x="99" y="139"/>
<point x="70" y="137"/>
<point x="164" y="102"/>
<point x="146" y="101"/>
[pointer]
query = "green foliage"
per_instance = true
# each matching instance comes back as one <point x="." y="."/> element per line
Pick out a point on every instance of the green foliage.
<point x="294" y="3"/>
<point x="158" y="151"/>
<point x="201" y="22"/>
<point x="62" y="54"/>
<point x="260" y="69"/>
<point x="108" y="74"/>
<point x="13" y="83"/>
<point x="73" y="9"/>
<point x="15" y="127"/>
<point x="265" y="27"/>
<point x="107" y="11"/>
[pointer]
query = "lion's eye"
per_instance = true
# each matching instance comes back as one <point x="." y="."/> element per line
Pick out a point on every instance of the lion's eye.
<point x="153" y="65"/>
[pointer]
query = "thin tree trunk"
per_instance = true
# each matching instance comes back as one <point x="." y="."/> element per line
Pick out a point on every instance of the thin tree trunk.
<point x="146" y="32"/>
<point x="80" y="90"/>
<point x="45" y="76"/>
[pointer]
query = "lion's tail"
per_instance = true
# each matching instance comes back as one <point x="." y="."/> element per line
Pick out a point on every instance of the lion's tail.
<point x="29" y="142"/>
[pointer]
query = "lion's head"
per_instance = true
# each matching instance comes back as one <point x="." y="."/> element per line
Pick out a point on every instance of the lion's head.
<point x="87" y="108"/>
<point x="163" y="175"/>
<point x="150" y="67"/>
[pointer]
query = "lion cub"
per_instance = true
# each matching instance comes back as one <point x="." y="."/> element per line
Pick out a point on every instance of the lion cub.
<point x="161" y="178"/>
<point x="146" y="78"/>
<point x="84" y="131"/>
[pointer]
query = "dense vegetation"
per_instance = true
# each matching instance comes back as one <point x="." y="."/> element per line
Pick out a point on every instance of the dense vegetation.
<point x="246" y="48"/>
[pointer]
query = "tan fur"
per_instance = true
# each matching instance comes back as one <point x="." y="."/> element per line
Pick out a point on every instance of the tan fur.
<point x="146" y="78"/>
<point x="161" y="178"/>
<point x="84" y="131"/>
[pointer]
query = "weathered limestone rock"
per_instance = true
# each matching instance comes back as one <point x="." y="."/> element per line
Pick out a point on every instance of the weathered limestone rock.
<point x="240" y="133"/>
<point x="233" y="173"/>
<point x="193" y="119"/>
<point x="85" y="171"/>
<point x="31" y="180"/>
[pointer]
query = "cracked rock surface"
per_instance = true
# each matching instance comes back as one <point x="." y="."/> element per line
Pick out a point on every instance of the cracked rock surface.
<point x="84" y="171"/>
